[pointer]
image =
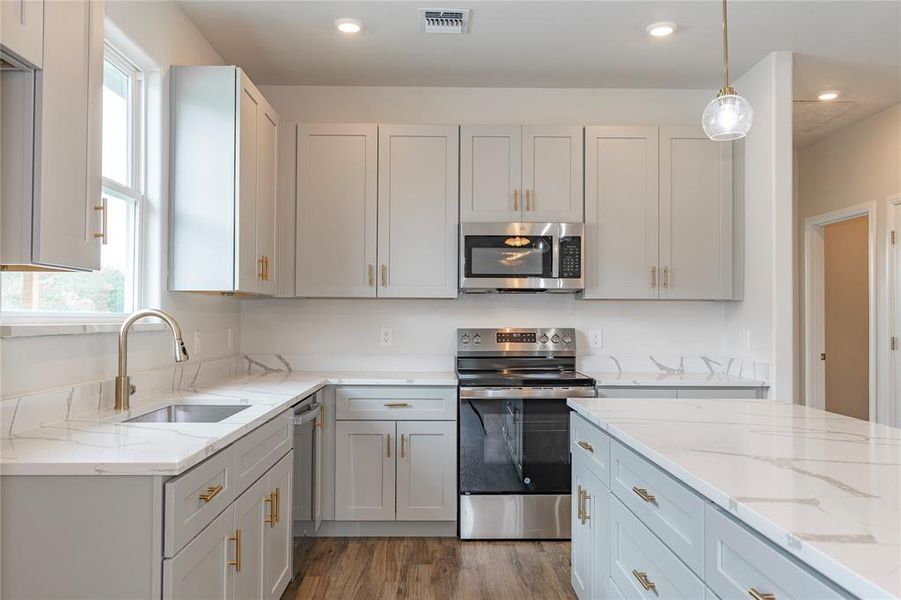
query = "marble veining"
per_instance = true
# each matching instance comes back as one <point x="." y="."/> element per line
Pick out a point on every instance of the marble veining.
<point x="823" y="487"/>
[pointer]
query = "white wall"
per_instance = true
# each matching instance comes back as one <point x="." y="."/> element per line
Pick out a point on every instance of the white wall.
<point x="763" y="326"/>
<point x="335" y="333"/>
<point x="159" y="35"/>
<point x="858" y="164"/>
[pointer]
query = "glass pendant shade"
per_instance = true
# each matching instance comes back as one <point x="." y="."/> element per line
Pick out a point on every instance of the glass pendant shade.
<point x="727" y="117"/>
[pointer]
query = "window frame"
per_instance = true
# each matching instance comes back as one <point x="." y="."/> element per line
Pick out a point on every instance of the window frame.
<point x="134" y="193"/>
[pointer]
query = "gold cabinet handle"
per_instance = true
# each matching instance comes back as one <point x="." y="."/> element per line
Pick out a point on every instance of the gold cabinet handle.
<point x="397" y="404"/>
<point x="384" y="275"/>
<point x="528" y="199"/>
<point x="666" y="277"/>
<point x="653" y="277"/>
<point x="644" y="495"/>
<point x="266" y="263"/>
<point x="211" y="492"/>
<point x="371" y="275"/>
<point x="278" y="505"/>
<point x="402" y="445"/>
<point x="270" y="500"/>
<point x="516" y="199"/>
<point x="388" y="445"/>
<point x="586" y="446"/>
<point x="646" y="583"/>
<point x="761" y="595"/>
<point x="102" y="207"/>
<point x="237" y="540"/>
<point x="579" y="508"/>
<point x="262" y="274"/>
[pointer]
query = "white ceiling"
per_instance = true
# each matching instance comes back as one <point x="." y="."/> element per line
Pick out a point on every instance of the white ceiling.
<point x="853" y="46"/>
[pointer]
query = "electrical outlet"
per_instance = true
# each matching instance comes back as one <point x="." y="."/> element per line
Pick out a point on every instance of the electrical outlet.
<point x="198" y="345"/>
<point x="230" y="338"/>
<point x="596" y="338"/>
<point x="746" y="340"/>
<point x="385" y="337"/>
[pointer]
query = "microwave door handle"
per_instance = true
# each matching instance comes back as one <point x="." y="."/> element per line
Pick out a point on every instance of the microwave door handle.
<point x="555" y="261"/>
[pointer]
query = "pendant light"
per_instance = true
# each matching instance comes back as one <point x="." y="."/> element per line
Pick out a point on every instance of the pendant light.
<point x="728" y="116"/>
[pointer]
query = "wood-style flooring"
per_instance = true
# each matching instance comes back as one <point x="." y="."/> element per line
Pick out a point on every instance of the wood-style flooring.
<point x="431" y="568"/>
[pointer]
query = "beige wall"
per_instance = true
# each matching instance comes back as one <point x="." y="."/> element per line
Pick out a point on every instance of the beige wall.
<point x="858" y="164"/>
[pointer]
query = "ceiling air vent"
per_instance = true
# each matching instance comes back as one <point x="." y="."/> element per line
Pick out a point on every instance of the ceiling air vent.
<point x="445" y="20"/>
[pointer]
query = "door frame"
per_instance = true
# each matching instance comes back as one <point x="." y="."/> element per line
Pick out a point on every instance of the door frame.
<point x="814" y="300"/>
<point x="892" y="380"/>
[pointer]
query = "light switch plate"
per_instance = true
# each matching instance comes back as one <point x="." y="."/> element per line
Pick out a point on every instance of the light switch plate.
<point x="198" y="346"/>
<point x="596" y="338"/>
<point x="385" y="337"/>
<point x="746" y="340"/>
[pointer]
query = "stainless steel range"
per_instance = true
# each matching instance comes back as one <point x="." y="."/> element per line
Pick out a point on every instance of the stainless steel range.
<point x="514" y="456"/>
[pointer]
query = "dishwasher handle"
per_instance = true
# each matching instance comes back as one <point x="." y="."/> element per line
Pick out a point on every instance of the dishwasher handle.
<point x="308" y="415"/>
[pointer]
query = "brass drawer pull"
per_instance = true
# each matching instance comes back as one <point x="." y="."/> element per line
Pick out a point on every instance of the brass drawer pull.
<point x="586" y="516"/>
<point x="579" y="508"/>
<point x="371" y="271"/>
<point x="644" y="495"/>
<point x="653" y="277"/>
<point x="666" y="277"/>
<point x="646" y="583"/>
<point x="278" y="505"/>
<point x="403" y="447"/>
<point x="384" y="275"/>
<point x="237" y="540"/>
<point x="397" y="404"/>
<point x="388" y="445"/>
<point x="211" y="492"/>
<point x="104" y="221"/>
<point x="516" y="199"/>
<point x="270" y="500"/>
<point x="528" y="199"/>
<point x="761" y="595"/>
<point x="586" y="446"/>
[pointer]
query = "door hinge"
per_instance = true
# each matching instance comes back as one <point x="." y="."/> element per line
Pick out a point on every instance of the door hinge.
<point x="822" y="356"/>
<point x="893" y="343"/>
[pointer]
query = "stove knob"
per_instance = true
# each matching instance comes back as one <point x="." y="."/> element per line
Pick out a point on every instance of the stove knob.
<point x="477" y="339"/>
<point x="567" y="339"/>
<point x="555" y="338"/>
<point x="465" y="338"/>
<point x="543" y="338"/>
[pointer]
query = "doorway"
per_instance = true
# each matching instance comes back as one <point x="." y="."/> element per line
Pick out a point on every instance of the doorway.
<point x="840" y="312"/>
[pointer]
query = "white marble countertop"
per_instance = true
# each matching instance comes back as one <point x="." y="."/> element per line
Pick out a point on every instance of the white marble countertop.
<point x="676" y="379"/>
<point x="100" y="443"/>
<point x="823" y="487"/>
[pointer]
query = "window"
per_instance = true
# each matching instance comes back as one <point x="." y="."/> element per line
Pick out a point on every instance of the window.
<point x="115" y="288"/>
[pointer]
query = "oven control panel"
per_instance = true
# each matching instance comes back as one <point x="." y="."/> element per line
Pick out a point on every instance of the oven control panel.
<point x="560" y="339"/>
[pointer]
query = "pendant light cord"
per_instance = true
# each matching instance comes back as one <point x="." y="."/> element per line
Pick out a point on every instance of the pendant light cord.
<point x="725" y="50"/>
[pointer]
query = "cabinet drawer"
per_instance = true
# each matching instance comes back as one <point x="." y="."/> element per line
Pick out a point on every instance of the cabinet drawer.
<point x="396" y="404"/>
<point x="259" y="450"/>
<point x="196" y="497"/>
<point x="739" y="561"/>
<point x="591" y="445"/>
<point x="668" y="508"/>
<point x="638" y="556"/>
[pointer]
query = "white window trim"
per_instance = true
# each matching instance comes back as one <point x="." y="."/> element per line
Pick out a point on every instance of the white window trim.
<point x="21" y="323"/>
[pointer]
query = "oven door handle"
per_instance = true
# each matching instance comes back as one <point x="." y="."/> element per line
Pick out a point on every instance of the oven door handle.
<point x="560" y="393"/>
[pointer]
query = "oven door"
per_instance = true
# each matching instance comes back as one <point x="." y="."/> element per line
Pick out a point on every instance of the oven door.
<point x="513" y="445"/>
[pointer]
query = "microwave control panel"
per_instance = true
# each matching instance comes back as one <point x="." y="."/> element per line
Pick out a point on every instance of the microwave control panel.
<point x="571" y="257"/>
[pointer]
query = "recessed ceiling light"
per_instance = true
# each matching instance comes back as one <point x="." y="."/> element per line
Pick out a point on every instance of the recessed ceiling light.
<point x="348" y="25"/>
<point x="828" y="95"/>
<point x="661" y="29"/>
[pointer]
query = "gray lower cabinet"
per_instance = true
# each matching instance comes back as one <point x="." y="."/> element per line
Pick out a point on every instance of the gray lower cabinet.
<point x="634" y="391"/>
<point x="649" y="537"/>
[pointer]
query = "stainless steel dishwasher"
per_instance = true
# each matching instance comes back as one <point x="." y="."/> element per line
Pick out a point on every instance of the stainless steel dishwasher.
<point x="306" y="512"/>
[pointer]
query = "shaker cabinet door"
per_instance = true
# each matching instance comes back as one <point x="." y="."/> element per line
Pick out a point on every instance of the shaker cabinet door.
<point x="365" y="462"/>
<point x="552" y="166"/>
<point x="267" y="148"/>
<point x="251" y="510"/>
<point x="417" y="211"/>
<point x="277" y="536"/>
<point x="201" y="570"/>
<point x="67" y="153"/>
<point x="337" y="170"/>
<point x="22" y="29"/>
<point x="427" y="471"/>
<point x="490" y="173"/>
<point x="696" y="216"/>
<point x="621" y="212"/>
<point x="248" y="267"/>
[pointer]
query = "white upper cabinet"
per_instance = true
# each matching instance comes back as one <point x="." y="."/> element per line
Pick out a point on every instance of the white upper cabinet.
<point x="552" y="173"/>
<point x="621" y="212"/>
<point x="490" y="173"/>
<point x="530" y="173"/>
<point x="51" y="171"/>
<point x="417" y="211"/>
<point x="696" y="210"/>
<point x="337" y="174"/>
<point x="22" y="29"/>
<point x="223" y="182"/>
<point x="660" y="215"/>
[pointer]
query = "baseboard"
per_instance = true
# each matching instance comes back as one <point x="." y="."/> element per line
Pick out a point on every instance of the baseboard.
<point x="387" y="529"/>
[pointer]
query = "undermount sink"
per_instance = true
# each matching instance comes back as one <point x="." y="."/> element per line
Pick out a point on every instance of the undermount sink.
<point x="189" y="413"/>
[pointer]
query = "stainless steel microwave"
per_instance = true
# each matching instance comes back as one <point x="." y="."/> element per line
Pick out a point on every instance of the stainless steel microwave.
<point x="521" y="257"/>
